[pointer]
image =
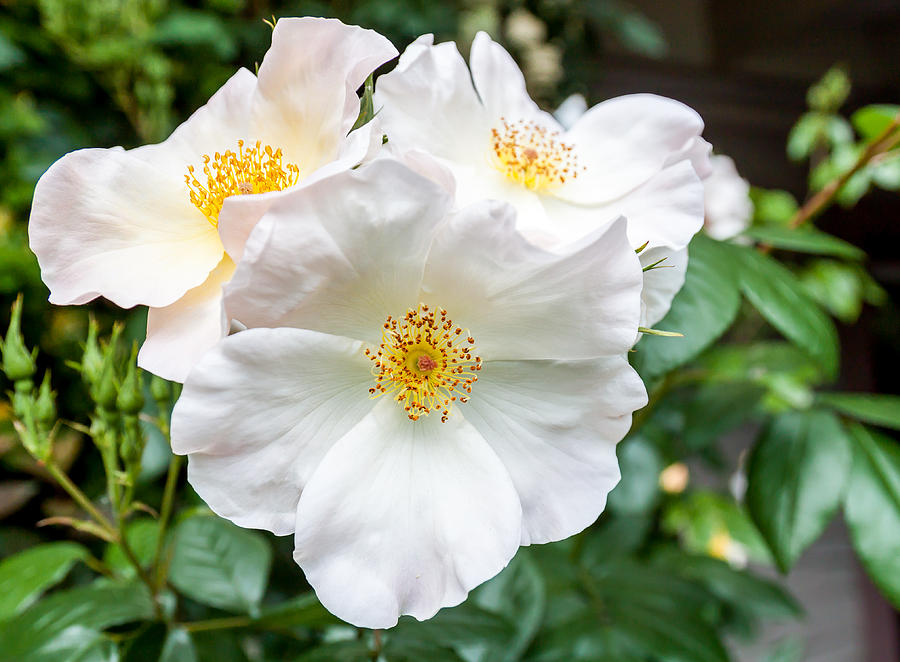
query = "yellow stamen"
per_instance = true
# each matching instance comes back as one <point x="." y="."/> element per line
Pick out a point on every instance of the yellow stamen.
<point x="258" y="169"/>
<point x="532" y="155"/>
<point x="425" y="362"/>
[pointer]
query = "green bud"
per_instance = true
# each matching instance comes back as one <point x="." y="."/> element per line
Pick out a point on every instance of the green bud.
<point x="45" y="404"/>
<point x="160" y="389"/>
<point x="103" y="389"/>
<point x="131" y="393"/>
<point x="133" y="442"/>
<point x="18" y="362"/>
<point x="92" y="359"/>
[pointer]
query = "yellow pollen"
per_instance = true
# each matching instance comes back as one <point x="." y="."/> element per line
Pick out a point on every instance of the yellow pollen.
<point x="532" y="155"/>
<point x="257" y="169"/>
<point x="425" y="362"/>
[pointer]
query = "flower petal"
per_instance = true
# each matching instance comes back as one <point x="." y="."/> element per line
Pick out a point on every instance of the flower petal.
<point x="428" y="102"/>
<point x="555" y="425"/>
<point x="405" y="517"/>
<point x="662" y="283"/>
<point x="623" y="142"/>
<point x="179" y="334"/>
<point x="520" y="302"/>
<point x="499" y="81"/>
<point x="214" y="127"/>
<point x="306" y="99"/>
<point x="667" y="210"/>
<point x="340" y="255"/>
<point x="105" y="223"/>
<point x="257" y="414"/>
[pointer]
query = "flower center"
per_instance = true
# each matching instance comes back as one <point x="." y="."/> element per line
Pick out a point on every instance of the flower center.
<point x="257" y="169"/>
<point x="532" y="155"/>
<point x="425" y="362"/>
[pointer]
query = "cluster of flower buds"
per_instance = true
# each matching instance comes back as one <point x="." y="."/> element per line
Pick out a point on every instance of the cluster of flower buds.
<point x="35" y="409"/>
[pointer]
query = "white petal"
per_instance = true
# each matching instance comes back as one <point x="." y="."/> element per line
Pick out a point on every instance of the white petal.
<point x="105" y="223"/>
<point x="667" y="210"/>
<point x="179" y="334"/>
<point x="499" y="81"/>
<point x="257" y="414"/>
<point x="306" y="98"/>
<point x="241" y="213"/>
<point x="340" y="255"/>
<point x="698" y="153"/>
<point x="662" y="283"/>
<point x="623" y="142"/>
<point x="555" y="425"/>
<point x="214" y="127"/>
<point x="405" y="517"/>
<point x="572" y="107"/>
<point x="429" y="103"/>
<point x="728" y="205"/>
<point x="520" y="302"/>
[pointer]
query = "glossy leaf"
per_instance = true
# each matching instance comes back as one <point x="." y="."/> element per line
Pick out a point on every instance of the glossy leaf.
<point x="805" y="241"/>
<point x="796" y="474"/>
<point x="702" y="311"/>
<point x="303" y="611"/>
<point x="717" y="408"/>
<point x="872" y="508"/>
<point x="871" y="121"/>
<point x="638" y="490"/>
<point x="26" y="575"/>
<point x="178" y="647"/>
<point x="220" y="564"/>
<point x="777" y="294"/>
<point x="68" y="623"/>
<point x="881" y="410"/>
<point x="141" y="535"/>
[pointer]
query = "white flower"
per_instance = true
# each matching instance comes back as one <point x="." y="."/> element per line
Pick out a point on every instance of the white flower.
<point x="728" y="206"/>
<point x="156" y="226"/>
<point x="437" y="391"/>
<point x="636" y="156"/>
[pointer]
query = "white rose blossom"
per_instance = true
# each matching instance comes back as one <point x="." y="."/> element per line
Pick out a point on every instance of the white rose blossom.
<point x="430" y="391"/>
<point x="163" y="225"/>
<point x="728" y="206"/>
<point x="639" y="156"/>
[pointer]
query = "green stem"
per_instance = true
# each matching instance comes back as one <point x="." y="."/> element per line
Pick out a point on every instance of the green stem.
<point x="165" y="514"/>
<point x="217" y="624"/>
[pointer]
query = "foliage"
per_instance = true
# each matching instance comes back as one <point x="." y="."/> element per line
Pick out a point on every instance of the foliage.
<point x="134" y="567"/>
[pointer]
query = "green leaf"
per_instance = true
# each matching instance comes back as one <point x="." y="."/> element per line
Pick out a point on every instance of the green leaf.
<point x="788" y="649"/>
<point x="738" y="588"/>
<point x="366" y="104"/>
<point x="141" y="535"/>
<point x="519" y="594"/>
<point x="837" y="286"/>
<point x="805" y="135"/>
<point x="871" y="121"/>
<point x="220" y="564"/>
<point x="804" y="241"/>
<point x="303" y="611"/>
<point x="716" y="408"/>
<point x="68" y="623"/>
<point x="26" y="575"/>
<point x="779" y="297"/>
<point x="872" y="508"/>
<point x="466" y="624"/>
<point x="178" y="647"/>
<point x="702" y="311"/>
<point x="355" y="650"/>
<point x="773" y="206"/>
<point x="103" y="651"/>
<point x="638" y="490"/>
<point x="796" y="474"/>
<point x="881" y="410"/>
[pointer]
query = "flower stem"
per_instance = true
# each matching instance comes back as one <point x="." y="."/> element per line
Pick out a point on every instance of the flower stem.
<point x="217" y="624"/>
<point x="165" y="514"/>
<point x="886" y="140"/>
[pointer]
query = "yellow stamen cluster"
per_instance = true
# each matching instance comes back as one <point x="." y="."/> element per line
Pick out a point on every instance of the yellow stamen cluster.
<point x="257" y="169"/>
<point x="532" y="155"/>
<point x="425" y="362"/>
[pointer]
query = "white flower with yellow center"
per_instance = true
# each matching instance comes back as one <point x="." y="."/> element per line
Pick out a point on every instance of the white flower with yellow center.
<point x="418" y="395"/>
<point x="635" y="156"/>
<point x="163" y="225"/>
